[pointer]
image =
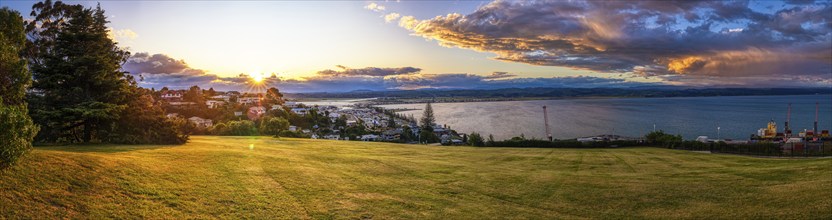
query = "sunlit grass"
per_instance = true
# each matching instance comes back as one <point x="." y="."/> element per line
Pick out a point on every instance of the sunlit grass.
<point x="264" y="178"/>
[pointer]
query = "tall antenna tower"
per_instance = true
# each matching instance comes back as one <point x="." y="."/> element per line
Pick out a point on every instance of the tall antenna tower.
<point x="546" y="122"/>
<point x="788" y="131"/>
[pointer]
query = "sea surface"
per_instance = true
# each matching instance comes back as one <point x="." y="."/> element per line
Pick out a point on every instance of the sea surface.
<point x="737" y="117"/>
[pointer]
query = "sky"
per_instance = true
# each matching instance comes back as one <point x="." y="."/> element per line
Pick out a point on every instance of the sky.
<point x="338" y="46"/>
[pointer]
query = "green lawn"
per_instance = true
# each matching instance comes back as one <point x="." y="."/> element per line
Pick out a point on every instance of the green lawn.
<point x="265" y="178"/>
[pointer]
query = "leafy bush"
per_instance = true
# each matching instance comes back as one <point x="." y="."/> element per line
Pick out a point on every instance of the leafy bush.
<point x="236" y="128"/>
<point x="288" y="133"/>
<point x="659" y="138"/>
<point x="17" y="133"/>
<point x="535" y="143"/>
<point x="428" y="137"/>
<point x="16" y="127"/>
<point x="218" y="129"/>
<point x="144" y="122"/>
<point x="273" y="126"/>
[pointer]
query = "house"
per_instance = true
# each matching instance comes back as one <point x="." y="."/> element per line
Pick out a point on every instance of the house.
<point x="589" y="139"/>
<point x="291" y="104"/>
<point x="300" y="111"/>
<point x="351" y="122"/>
<point x="334" y="116"/>
<point x="214" y="103"/>
<point x="172" y="95"/>
<point x="315" y="136"/>
<point x="226" y="98"/>
<point x="293" y="128"/>
<point x="201" y="122"/>
<point x="172" y="115"/>
<point x="238" y="113"/>
<point x="332" y="137"/>
<point x="393" y="134"/>
<point x="256" y="112"/>
<point x="370" y="137"/>
<point x="306" y="131"/>
<point x="248" y="100"/>
<point x="181" y="104"/>
<point x="277" y="107"/>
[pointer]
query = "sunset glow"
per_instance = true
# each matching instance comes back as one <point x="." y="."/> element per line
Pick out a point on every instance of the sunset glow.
<point x="471" y="44"/>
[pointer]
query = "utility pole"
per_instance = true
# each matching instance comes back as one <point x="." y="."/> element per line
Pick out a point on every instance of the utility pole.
<point x="546" y="123"/>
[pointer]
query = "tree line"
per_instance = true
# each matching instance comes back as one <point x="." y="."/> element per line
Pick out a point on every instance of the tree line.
<point x="61" y="81"/>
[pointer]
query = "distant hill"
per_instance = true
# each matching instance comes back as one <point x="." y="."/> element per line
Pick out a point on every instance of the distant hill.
<point x="565" y="92"/>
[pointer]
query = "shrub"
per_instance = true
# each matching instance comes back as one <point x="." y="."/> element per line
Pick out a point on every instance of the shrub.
<point x="273" y="126"/>
<point x="17" y="133"/>
<point x="218" y="129"/>
<point x="428" y="137"/>
<point x="236" y="128"/>
<point x="288" y="133"/>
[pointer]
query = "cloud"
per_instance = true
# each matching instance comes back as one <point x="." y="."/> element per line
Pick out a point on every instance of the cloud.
<point x="369" y="71"/>
<point x="391" y="17"/>
<point x="499" y="75"/>
<point x="375" y="7"/>
<point x="121" y="35"/>
<point x="144" y="63"/>
<point x="647" y="38"/>
<point x="160" y="70"/>
<point x="471" y="81"/>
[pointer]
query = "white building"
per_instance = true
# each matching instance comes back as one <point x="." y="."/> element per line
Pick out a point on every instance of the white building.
<point x="300" y="111"/>
<point x="248" y="100"/>
<point x="332" y="137"/>
<point x="172" y="95"/>
<point x="255" y="112"/>
<point x="291" y="104"/>
<point x="214" y="103"/>
<point x="369" y="137"/>
<point x="201" y="122"/>
<point x="222" y="97"/>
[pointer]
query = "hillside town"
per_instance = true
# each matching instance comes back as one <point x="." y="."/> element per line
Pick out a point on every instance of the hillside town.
<point x="212" y="112"/>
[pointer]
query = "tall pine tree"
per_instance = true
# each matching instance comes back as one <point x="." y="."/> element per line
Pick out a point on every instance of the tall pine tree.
<point x="81" y="93"/>
<point x="427" y="118"/>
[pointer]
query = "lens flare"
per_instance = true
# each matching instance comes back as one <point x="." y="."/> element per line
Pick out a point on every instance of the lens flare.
<point x="257" y="77"/>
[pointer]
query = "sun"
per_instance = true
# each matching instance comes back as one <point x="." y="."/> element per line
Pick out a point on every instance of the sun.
<point x="256" y="76"/>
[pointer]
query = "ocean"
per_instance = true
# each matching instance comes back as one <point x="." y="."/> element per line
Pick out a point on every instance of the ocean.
<point x="737" y="117"/>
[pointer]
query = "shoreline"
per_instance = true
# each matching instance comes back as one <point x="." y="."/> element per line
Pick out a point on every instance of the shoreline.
<point x="423" y="100"/>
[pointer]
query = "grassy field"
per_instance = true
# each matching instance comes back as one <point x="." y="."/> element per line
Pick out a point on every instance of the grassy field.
<point x="262" y="177"/>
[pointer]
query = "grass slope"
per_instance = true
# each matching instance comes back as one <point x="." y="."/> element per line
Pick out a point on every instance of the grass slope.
<point x="261" y="177"/>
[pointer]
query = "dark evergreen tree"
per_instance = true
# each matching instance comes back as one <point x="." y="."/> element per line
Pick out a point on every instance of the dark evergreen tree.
<point x="391" y="123"/>
<point x="82" y="94"/>
<point x="428" y="120"/>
